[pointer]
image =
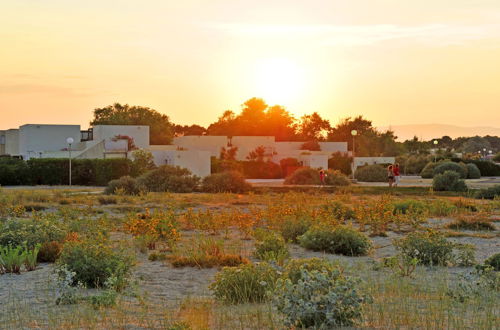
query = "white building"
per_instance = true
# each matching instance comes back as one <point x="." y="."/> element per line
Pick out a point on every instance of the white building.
<point x="117" y="141"/>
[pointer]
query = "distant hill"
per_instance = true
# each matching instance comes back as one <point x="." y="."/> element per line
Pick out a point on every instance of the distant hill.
<point x="430" y="131"/>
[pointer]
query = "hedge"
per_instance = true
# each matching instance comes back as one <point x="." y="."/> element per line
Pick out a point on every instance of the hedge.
<point x="486" y="167"/>
<point x="55" y="171"/>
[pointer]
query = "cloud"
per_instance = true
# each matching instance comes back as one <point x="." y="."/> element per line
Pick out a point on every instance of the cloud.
<point x="363" y="35"/>
<point x="57" y="91"/>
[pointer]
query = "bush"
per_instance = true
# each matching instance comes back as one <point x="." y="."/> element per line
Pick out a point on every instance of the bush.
<point x="125" y="185"/>
<point x="493" y="261"/>
<point x="292" y="228"/>
<point x="409" y="204"/>
<point x="428" y="170"/>
<point x="413" y="164"/>
<point x="336" y="178"/>
<point x="293" y="268"/>
<point x="486" y="167"/>
<point x="450" y="166"/>
<point x="95" y="262"/>
<point x="304" y="176"/>
<point x="230" y="181"/>
<point x="321" y="300"/>
<point x="340" y="161"/>
<point x="371" y="173"/>
<point x="32" y="232"/>
<point x="429" y="248"/>
<point x="49" y="251"/>
<point x="13" y="172"/>
<point x="473" y="171"/>
<point x="270" y="246"/>
<point x="339" y="210"/>
<point x="471" y="223"/>
<point x="261" y="170"/>
<point x="168" y="178"/>
<point x="244" y="284"/>
<point x="340" y="240"/>
<point x="488" y="193"/>
<point x="448" y="181"/>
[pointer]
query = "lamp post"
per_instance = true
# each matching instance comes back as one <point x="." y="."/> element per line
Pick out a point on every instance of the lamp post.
<point x="435" y="144"/>
<point x="69" y="141"/>
<point x="484" y="150"/>
<point x="353" y="133"/>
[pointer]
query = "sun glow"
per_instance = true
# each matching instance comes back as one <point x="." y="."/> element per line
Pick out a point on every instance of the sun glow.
<point x="279" y="80"/>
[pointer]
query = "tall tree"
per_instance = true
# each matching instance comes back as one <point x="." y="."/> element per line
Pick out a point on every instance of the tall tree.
<point x="313" y="127"/>
<point x="160" y="128"/>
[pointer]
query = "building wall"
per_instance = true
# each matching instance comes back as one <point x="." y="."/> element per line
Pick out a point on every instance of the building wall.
<point x="314" y="160"/>
<point x="333" y="146"/>
<point x="34" y="139"/>
<point x="140" y="134"/>
<point x="247" y="144"/>
<point x="12" y="142"/>
<point x="2" y="143"/>
<point x="212" y="144"/>
<point x="198" y="162"/>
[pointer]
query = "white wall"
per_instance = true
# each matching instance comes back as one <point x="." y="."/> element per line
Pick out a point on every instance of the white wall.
<point x="361" y="161"/>
<point x="34" y="138"/>
<point x="12" y="142"/>
<point x="314" y="160"/>
<point x="247" y="144"/>
<point x="198" y="162"/>
<point x="333" y="146"/>
<point x="212" y="144"/>
<point x="140" y="134"/>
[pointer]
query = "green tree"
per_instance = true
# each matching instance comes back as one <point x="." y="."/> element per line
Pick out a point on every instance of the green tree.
<point x="160" y="128"/>
<point x="313" y="127"/>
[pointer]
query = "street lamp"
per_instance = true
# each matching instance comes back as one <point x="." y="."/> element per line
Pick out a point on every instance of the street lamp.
<point x="435" y="144"/>
<point x="484" y="149"/>
<point x="69" y="141"/>
<point x="353" y="133"/>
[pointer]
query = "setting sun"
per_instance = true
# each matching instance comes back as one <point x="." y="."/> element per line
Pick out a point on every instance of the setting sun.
<point x="279" y="80"/>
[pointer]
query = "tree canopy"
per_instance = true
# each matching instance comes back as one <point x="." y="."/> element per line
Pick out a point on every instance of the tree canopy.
<point x="160" y="128"/>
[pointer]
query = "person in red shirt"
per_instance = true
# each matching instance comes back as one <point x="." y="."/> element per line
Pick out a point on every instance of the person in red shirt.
<point x="397" y="176"/>
<point x="322" y="176"/>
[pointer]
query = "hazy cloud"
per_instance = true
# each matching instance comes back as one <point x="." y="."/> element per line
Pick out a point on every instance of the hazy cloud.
<point x="362" y="35"/>
<point x="42" y="89"/>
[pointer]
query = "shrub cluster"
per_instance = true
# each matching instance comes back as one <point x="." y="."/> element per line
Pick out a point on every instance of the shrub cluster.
<point x="270" y="246"/>
<point x="230" y="181"/>
<point x="320" y="300"/>
<point x="244" y="284"/>
<point x="448" y="181"/>
<point x="304" y="176"/>
<point x="126" y="185"/>
<point x="371" y="173"/>
<point x="55" y="171"/>
<point x="459" y="168"/>
<point x="486" y="167"/>
<point x="493" y="261"/>
<point x="473" y="171"/>
<point x="94" y="262"/>
<point x="336" y="178"/>
<point x="339" y="240"/>
<point x="488" y="193"/>
<point x="341" y="162"/>
<point x="429" y="248"/>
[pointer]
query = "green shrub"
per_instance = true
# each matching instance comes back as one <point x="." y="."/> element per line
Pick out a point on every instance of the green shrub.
<point x="340" y="161"/>
<point x="473" y="171"/>
<point x="292" y="228"/>
<point x="428" y="170"/>
<point x="168" y="178"/>
<point x="270" y="246"/>
<point x="125" y="185"/>
<point x="448" y="181"/>
<point x="319" y="300"/>
<point x="488" y="193"/>
<point x="442" y="207"/>
<point x="371" y="173"/>
<point x="340" y="240"/>
<point x="429" y="248"/>
<point x="244" y="284"/>
<point x="339" y="210"/>
<point x="486" y="167"/>
<point x="304" y="176"/>
<point x="261" y="170"/>
<point x="230" y="181"/>
<point x="336" y="178"/>
<point x="293" y="268"/>
<point x="94" y="263"/>
<point x="13" y="172"/>
<point x="451" y="166"/>
<point x="493" y="261"/>
<point x="409" y="204"/>
<point x="413" y="164"/>
<point x="11" y="259"/>
<point x="32" y="231"/>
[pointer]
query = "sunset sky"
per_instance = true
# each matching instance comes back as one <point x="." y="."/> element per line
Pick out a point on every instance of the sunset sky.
<point x="393" y="61"/>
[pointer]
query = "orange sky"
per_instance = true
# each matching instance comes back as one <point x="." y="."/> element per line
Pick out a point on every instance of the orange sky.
<point x="394" y="61"/>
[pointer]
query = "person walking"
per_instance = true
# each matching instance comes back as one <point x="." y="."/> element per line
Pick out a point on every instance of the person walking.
<point x="322" y="176"/>
<point x="397" y="175"/>
<point x="390" y="175"/>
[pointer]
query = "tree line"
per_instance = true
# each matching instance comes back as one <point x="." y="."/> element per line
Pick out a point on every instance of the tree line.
<point x="257" y="118"/>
